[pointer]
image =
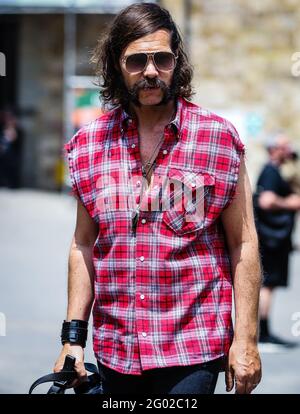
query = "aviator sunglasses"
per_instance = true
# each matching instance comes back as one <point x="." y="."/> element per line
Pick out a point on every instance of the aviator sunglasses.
<point x="137" y="62"/>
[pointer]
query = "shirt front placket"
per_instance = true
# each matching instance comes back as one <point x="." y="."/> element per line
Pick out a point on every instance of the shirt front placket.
<point x="143" y="236"/>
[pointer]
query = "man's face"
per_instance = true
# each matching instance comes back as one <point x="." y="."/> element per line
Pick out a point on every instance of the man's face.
<point x="282" y="149"/>
<point x="150" y="87"/>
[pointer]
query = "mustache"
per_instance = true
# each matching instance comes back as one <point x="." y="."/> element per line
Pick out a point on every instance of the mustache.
<point x="133" y="92"/>
<point x="148" y="83"/>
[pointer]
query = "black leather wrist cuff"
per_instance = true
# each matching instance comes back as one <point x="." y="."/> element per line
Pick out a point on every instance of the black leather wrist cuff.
<point x="75" y="332"/>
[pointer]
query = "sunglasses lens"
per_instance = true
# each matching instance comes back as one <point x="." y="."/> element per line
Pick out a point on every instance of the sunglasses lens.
<point x="136" y="62"/>
<point x="164" y="60"/>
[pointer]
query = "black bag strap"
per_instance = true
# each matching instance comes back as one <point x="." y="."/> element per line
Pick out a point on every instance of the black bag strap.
<point x="66" y="376"/>
<point x="91" y="368"/>
<point x="63" y="376"/>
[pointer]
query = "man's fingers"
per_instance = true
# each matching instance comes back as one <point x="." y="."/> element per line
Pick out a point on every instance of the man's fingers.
<point x="246" y="384"/>
<point x="252" y="384"/>
<point x="250" y="380"/>
<point x="229" y="378"/>
<point x="57" y="368"/>
<point x="249" y="387"/>
<point x="81" y="372"/>
<point x="75" y="383"/>
<point x="240" y="386"/>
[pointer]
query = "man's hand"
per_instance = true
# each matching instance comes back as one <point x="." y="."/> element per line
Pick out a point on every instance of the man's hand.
<point x="243" y="367"/>
<point x="77" y="352"/>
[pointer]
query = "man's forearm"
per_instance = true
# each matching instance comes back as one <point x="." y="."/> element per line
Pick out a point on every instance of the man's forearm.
<point x="247" y="277"/>
<point x="271" y="201"/>
<point x="80" y="282"/>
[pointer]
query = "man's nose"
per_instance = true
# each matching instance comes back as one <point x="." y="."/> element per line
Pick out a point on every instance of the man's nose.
<point x="150" y="70"/>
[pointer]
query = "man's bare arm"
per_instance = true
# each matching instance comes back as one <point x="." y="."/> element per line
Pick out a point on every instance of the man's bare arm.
<point x="80" y="285"/>
<point x="268" y="200"/>
<point x="238" y="222"/>
<point x="81" y="271"/>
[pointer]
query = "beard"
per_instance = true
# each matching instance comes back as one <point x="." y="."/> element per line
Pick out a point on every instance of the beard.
<point x="167" y="91"/>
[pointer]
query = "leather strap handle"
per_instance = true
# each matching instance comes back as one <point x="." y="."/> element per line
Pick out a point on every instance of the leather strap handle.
<point x="62" y="379"/>
<point x="57" y="376"/>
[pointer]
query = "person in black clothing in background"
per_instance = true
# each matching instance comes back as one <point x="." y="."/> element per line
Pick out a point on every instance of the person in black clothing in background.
<point x="275" y="208"/>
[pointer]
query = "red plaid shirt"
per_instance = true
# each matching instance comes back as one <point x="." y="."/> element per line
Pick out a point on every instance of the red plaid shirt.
<point x="163" y="296"/>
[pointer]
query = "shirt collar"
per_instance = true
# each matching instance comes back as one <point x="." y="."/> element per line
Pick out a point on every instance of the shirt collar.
<point x="177" y="119"/>
<point x="124" y="118"/>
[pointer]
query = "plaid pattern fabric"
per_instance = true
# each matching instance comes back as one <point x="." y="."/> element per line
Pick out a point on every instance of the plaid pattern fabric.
<point x="163" y="296"/>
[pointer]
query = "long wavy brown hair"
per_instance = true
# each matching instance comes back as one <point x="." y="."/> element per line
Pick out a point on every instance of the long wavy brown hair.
<point x="132" y="23"/>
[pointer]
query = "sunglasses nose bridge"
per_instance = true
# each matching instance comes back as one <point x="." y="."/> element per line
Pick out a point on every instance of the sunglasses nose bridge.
<point x="150" y="59"/>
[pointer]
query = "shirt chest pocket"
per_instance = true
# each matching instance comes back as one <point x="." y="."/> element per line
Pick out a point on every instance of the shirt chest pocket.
<point x="187" y="197"/>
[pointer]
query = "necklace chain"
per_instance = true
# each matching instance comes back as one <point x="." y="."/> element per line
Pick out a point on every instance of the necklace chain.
<point x="135" y="215"/>
<point x="136" y="212"/>
<point x="149" y="163"/>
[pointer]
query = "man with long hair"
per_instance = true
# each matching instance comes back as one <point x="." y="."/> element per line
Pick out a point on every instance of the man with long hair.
<point x="160" y="277"/>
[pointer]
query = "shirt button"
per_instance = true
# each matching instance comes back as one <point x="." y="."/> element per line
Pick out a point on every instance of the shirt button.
<point x="144" y="334"/>
<point x="142" y="258"/>
<point x="142" y="297"/>
<point x="165" y="152"/>
<point x="138" y="183"/>
<point x="133" y="146"/>
<point x="143" y="221"/>
<point x="193" y="184"/>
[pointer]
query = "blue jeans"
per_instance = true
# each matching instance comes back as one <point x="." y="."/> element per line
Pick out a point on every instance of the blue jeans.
<point x="193" y="379"/>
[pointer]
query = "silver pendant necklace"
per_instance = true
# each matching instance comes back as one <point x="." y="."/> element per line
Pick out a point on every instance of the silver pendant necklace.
<point x="149" y="164"/>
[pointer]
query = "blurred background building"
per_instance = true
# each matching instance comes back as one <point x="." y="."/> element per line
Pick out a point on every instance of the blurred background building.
<point x="49" y="81"/>
<point x="241" y="51"/>
<point x="242" y="54"/>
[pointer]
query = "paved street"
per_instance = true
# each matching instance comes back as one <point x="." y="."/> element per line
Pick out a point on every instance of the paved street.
<point x="35" y="233"/>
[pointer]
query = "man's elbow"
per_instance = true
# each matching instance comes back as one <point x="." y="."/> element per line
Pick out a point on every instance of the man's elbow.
<point x="246" y="238"/>
<point x="82" y="243"/>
